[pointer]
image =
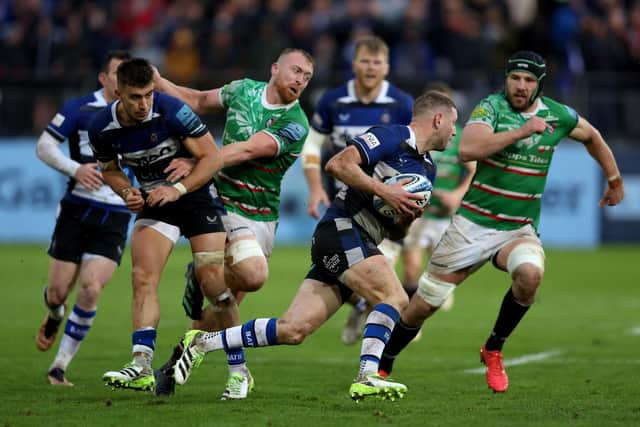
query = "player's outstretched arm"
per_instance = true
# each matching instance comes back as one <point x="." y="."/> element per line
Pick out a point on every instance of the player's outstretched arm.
<point x="479" y="141"/>
<point x="259" y="145"/>
<point x="595" y="144"/>
<point x="199" y="100"/>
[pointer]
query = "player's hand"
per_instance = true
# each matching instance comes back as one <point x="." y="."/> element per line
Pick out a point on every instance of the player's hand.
<point x="315" y="198"/>
<point x="89" y="176"/>
<point x="534" y="125"/>
<point x="613" y="194"/>
<point x="134" y="200"/>
<point x="179" y="168"/>
<point x="400" y="199"/>
<point x="162" y="195"/>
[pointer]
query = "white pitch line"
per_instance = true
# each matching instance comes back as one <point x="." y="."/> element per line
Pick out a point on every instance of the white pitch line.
<point x="522" y="360"/>
<point x="635" y="330"/>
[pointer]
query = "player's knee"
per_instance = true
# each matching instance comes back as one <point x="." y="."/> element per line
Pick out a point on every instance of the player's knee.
<point x="433" y="290"/>
<point x="399" y="300"/>
<point x="90" y="290"/>
<point x="526" y="266"/>
<point x="223" y="301"/>
<point x="292" y="333"/>
<point x="143" y="280"/>
<point x="526" y="280"/>
<point x="209" y="267"/>
<point x="249" y="276"/>
<point x="56" y="296"/>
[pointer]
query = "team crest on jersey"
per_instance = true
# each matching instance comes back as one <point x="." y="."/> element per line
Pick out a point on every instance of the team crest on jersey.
<point x="371" y="140"/>
<point x="154" y="137"/>
<point x="385" y="119"/>
<point x="551" y="128"/>
<point x="270" y="122"/>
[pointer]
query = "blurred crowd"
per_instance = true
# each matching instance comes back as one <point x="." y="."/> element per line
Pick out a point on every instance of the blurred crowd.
<point x="206" y="43"/>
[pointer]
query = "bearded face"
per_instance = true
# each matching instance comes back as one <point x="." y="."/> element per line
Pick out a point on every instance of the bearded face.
<point x="291" y="75"/>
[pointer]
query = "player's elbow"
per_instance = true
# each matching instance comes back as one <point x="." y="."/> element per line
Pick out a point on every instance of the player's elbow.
<point x="467" y="154"/>
<point x="334" y="166"/>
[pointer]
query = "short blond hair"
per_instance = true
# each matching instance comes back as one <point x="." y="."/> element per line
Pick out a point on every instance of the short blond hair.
<point x="430" y="101"/>
<point x="288" y="50"/>
<point x="373" y="44"/>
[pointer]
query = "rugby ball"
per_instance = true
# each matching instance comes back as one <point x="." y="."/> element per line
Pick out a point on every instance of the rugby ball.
<point x="418" y="184"/>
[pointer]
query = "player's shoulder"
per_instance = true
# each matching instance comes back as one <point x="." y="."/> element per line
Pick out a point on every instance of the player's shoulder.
<point x="563" y="111"/>
<point x="496" y="100"/>
<point x="163" y="101"/>
<point x="87" y="102"/>
<point x="244" y="84"/>
<point x="389" y="133"/>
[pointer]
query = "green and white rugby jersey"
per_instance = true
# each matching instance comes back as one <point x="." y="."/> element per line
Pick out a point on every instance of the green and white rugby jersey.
<point x="252" y="189"/>
<point x="507" y="187"/>
<point x="448" y="175"/>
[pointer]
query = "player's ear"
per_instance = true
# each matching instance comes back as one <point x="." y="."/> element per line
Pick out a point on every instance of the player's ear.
<point x="117" y="93"/>
<point x="437" y="120"/>
<point x="102" y="78"/>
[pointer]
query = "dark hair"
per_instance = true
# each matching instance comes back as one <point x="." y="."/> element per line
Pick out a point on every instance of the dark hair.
<point x="135" y="72"/>
<point x="303" y="52"/>
<point x="430" y="101"/>
<point x="122" y="55"/>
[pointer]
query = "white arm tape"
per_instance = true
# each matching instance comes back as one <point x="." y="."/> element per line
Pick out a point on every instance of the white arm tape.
<point x="312" y="147"/>
<point x="48" y="150"/>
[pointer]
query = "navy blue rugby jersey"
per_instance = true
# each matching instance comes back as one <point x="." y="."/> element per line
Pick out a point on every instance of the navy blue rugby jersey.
<point x="71" y="124"/>
<point x="341" y="115"/>
<point x="147" y="147"/>
<point x="386" y="151"/>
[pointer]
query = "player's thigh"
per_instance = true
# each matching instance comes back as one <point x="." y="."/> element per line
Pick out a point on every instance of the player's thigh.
<point x="150" y="250"/>
<point x="61" y="275"/>
<point x="208" y="242"/>
<point x="373" y="278"/>
<point x="313" y="304"/>
<point x="240" y="228"/>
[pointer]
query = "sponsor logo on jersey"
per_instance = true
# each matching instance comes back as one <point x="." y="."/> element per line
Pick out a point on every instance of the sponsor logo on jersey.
<point x="211" y="220"/>
<point x="385" y="119"/>
<point x="478" y="113"/>
<point x="58" y="120"/>
<point x="371" y="140"/>
<point x="293" y="132"/>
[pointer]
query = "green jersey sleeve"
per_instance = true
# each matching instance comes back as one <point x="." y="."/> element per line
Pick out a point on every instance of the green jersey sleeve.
<point x="485" y="113"/>
<point x="230" y="90"/>
<point x="290" y="131"/>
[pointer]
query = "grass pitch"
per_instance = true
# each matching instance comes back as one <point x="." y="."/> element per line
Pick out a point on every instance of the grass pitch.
<point x="575" y="357"/>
